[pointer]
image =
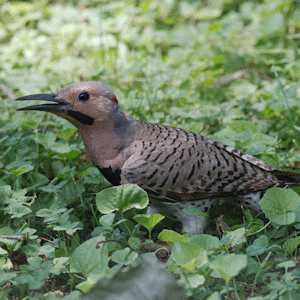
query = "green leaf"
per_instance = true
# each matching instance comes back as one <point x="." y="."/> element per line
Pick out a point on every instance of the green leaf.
<point x="291" y="244"/>
<point x="134" y="243"/>
<point x="6" y="276"/>
<point x="188" y="255"/>
<point x="87" y="285"/>
<point x="21" y="170"/>
<point x="34" y="274"/>
<point x="75" y="295"/>
<point x="60" y="219"/>
<point x="59" y="265"/>
<point x="195" y="280"/>
<point x="149" y="222"/>
<point x="228" y="266"/>
<point x="246" y="135"/>
<point x="121" y="198"/>
<point x="259" y="246"/>
<point x="107" y="220"/>
<point x="214" y="296"/>
<point x="3" y="251"/>
<point x="286" y="264"/>
<point x="280" y="205"/>
<point x="171" y="236"/>
<point x="124" y="256"/>
<point x="90" y="257"/>
<point x="5" y="264"/>
<point x="235" y="237"/>
<point x="16" y="202"/>
<point x="206" y="241"/>
<point x="46" y="251"/>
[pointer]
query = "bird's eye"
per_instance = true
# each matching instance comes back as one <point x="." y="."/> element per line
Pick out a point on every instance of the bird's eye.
<point x="84" y="96"/>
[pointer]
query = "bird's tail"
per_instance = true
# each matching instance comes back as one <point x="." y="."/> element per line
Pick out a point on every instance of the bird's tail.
<point x="286" y="177"/>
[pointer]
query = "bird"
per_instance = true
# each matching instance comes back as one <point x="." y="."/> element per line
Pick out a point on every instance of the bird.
<point x="178" y="169"/>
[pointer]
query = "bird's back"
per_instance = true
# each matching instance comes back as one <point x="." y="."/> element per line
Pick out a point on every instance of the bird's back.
<point x="176" y="165"/>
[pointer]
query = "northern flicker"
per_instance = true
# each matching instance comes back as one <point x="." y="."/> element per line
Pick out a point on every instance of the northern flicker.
<point x="177" y="168"/>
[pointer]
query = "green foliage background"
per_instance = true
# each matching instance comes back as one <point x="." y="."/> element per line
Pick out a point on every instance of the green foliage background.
<point x="225" y="68"/>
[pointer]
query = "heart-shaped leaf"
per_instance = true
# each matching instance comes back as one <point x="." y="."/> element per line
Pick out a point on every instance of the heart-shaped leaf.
<point x="228" y="266"/>
<point x="121" y="198"/>
<point x="149" y="222"/>
<point x="280" y="205"/>
<point x="89" y="257"/>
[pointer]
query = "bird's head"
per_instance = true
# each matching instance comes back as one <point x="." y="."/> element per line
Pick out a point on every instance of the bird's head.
<point x="82" y="103"/>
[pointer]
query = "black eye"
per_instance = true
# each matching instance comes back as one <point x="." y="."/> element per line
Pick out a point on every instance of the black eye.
<point x="84" y="96"/>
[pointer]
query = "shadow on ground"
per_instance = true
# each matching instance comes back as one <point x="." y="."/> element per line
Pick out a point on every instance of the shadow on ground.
<point x="148" y="281"/>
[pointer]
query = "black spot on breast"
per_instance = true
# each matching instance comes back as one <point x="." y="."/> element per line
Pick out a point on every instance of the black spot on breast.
<point x="111" y="175"/>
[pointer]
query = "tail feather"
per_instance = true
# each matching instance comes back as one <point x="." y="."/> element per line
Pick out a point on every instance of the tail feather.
<point x="286" y="177"/>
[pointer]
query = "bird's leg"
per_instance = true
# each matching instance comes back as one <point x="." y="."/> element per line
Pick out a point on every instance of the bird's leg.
<point x="194" y="224"/>
<point x="193" y="215"/>
<point x="195" y="221"/>
<point x="152" y="209"/>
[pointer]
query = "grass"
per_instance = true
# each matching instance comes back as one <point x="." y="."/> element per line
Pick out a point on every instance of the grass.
<point x="228" y="69"/>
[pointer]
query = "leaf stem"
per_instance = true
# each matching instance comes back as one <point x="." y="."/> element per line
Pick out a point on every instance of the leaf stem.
<point x="235" y="289"/>
<point x="260" y="229"/>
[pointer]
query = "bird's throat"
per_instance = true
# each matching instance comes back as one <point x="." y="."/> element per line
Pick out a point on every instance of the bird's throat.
<point x="107" y="146"/>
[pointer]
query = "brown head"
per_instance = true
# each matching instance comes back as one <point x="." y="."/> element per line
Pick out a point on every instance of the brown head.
<point x="82" y="103"/>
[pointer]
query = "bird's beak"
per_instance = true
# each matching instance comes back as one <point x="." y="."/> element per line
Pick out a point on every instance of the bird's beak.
<point x="58" y="106"/>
